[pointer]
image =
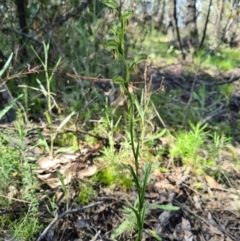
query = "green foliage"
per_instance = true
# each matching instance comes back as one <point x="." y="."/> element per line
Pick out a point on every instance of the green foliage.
<point x="219" y="57"/>
<point x="227" y="90"/>
<point x="189" y="143"/>
<point x="113" y="171"/>
<point x="129" y="225"/>
<point x="49" y="77"/>
<point x="18" y="182"/>
<point x="86" y="193"/>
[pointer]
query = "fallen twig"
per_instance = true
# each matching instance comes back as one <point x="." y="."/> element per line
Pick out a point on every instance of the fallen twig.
<point x="62" y="215"/>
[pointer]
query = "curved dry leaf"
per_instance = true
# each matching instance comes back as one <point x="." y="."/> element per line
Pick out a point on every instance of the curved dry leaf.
<point x="47" y="162"/>
<point x="164" y="184"/>
<point x="44" y="177"/>
<point x="87" y="172"/>
<point x="55" y="182"/>
<point x="65" y="168"/>
<point x="76" y="170"/>
<point x="65" y="157"/>
<point x="212" y="183"/>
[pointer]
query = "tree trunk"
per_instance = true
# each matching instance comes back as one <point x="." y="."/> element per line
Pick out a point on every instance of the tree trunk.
<point x="23" y="27"/>
<point x="160" y="16"/>
<point x="170" y="22"/>
<point x="219" y="20"/>
<point x="190" y="22"/>
<point x="205" y="25"/>
<point x="176" y="28"/>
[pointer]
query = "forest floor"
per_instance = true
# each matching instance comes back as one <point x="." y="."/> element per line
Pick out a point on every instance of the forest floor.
<point x="208" y="201"/>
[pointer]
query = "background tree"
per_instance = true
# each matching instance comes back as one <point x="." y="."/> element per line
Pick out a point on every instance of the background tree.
<point x="171" y="28"/>
<point x="205" y="25"/>
<point x="190" y="22"/>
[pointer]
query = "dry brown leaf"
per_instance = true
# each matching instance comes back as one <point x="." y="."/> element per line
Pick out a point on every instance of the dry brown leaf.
<point x="197" y="203"/>
<point x="234" y="202"/>
<point x="44" y="177"/>
<point x="68" y="168"/>
<point x="66" y="157"/>
<point x="50" y="162"/>
<point x="119" y="101"/>
<point x="89" y="171"/>
<point x="212" y="183"/>
<point x="47" y="162"/>
<point x="164" y="184"/>
<point x="157" y="174"/>
<point x="186" y="226"/>
<point x="55" y="182"/>
<point x="215" y="230"/>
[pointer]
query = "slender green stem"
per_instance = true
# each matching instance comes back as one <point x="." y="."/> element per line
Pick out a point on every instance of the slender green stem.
<point x="119" y="48"/>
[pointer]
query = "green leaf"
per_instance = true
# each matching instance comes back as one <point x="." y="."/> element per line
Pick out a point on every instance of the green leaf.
<point x="129" y="225"/>
<point x="138" y="59"/>
<point x="165" y="207"/>
<point x="110" y="3"/>
<point x="44" y="91"/>
<point x="111" y="44"/>
<point x="114" y="29"/>
<point x="146" y="174"/>
<point x="118" y="79"/>
<point x="42" y="141"/>
<point x="127" y="14"/>
<point x="49" y="118"/>
<point x="134" y="176"/>
<point x="33" y="8"/>
<point x="154" y="234"/>
<point x="6" y="65"/>
<point x="65" y="121"/>
<point x="154" y="137"/>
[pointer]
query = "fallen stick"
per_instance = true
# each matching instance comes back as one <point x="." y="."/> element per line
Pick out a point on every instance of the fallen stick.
<point x="62" y="215"/>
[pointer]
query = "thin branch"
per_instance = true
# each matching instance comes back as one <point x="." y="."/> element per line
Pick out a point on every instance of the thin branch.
<point x="73" y="211"/>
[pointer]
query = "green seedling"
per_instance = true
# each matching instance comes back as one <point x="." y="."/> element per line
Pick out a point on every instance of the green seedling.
<point x="113" y="172"/>
<point x="86" y="193"/>
<point x="227" y="91"/>
<point x="42" y="141"/>
<point x="65" y="188"/>
<point x="129" y="225"/>
<point x="18" y="182"/>
<point x="188" y="143"/>
<point x="49" y="76"/>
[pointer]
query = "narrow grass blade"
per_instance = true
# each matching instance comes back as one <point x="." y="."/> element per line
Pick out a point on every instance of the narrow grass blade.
<point x="9" y="106"/>
<point x="42" y="88"/>
<point x="65" y="121"/>
<point x="165" y="207"/>
<point x="6" y="65"/>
